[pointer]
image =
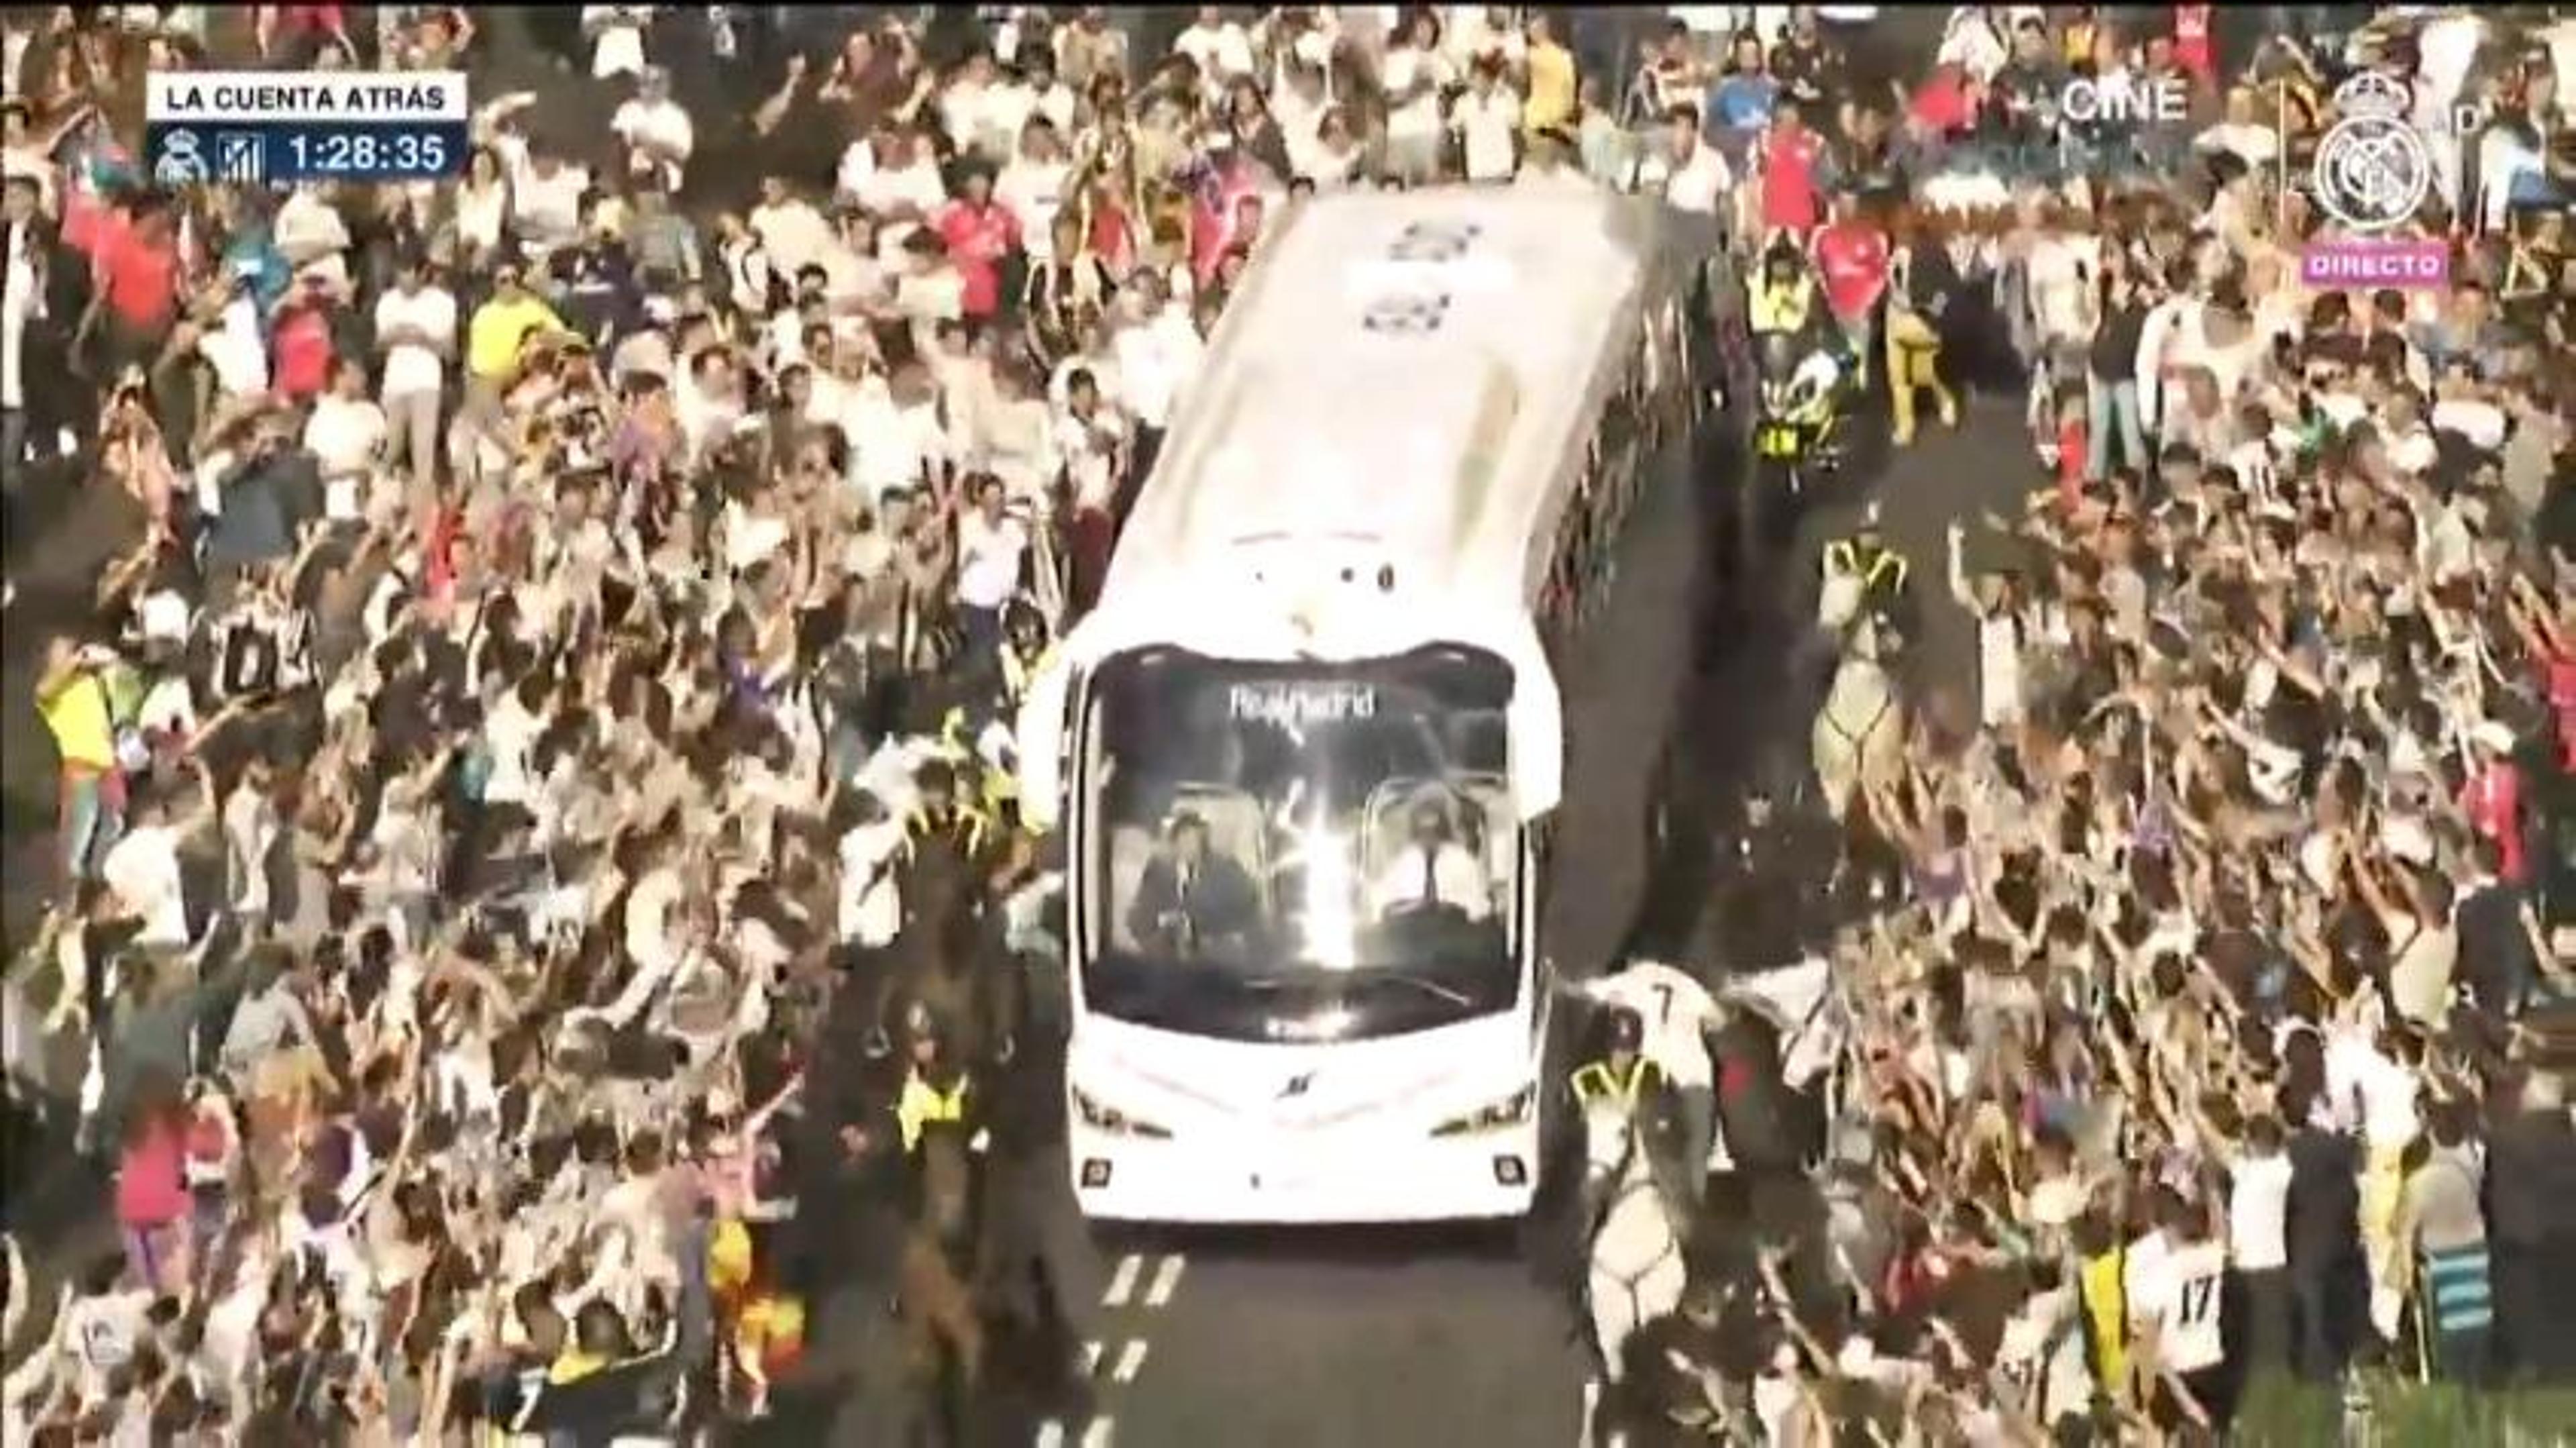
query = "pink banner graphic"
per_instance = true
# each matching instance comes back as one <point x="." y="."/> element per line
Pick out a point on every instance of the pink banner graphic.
<point x="2370" y="265"/>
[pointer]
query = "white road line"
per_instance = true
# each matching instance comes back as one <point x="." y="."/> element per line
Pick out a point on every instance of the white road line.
<point x="1095" y="1434"/>
<point x="1167" y="1280"/>
<point x="1123" y="1281"/>
<point x="1091" y="1357"/>
<point x="1131" y="1361"/>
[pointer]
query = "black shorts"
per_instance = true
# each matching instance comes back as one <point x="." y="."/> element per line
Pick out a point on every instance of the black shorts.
<point x="2211" y="1388"/>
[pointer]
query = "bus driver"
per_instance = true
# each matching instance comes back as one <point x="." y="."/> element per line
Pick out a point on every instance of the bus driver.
<point x="1191" y="899"/>
<point x="1433" y="870"/>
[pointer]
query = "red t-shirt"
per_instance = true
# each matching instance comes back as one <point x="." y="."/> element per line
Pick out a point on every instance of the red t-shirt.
<point x="438" y="558"/>
<point x="303" y="347"/>
<point x="88" y="222"/>
<point x="2073" y="447"/>
<point x="1113" y="239"/>
<point x="979" y="239"/>
<point x="315" y="19"/>
<point x="2191" y="41"/>
<point x="2493" y="803"/>
<point x="1941" y="104"/>
<point x="2561" y="672"/>
<point x="1853" y="257"/>
<point x="1789" y="179"/>
<point x="141" y="277"/>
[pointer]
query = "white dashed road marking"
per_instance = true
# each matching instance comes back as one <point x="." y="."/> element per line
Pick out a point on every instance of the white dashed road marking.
<point x="1122" y="1282"/>
<point x="1095" y="1434"/>
<point x="1158" y="1286"/>
<point x="1167" y="1280"/>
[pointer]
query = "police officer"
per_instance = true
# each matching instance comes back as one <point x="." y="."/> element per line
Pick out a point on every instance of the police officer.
<point x="1038" y="1266"/>
<point x="1782" y="300"/>
<point x="1620" y="1077"/>
<point x="1621" y="1074"/>
<point x="1864" y="578"/>
<point x="937" y="1090"/>
<point x="1760" y="895"/>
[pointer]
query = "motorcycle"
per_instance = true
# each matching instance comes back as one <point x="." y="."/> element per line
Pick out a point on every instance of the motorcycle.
<point x="1797" y="432"/>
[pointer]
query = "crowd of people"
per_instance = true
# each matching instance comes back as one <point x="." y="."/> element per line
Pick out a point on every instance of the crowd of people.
<point x="2206" y="1026"/>
<point x="537" y="885"/>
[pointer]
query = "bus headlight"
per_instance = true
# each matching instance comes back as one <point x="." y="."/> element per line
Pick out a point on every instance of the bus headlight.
<point x="1100" y="1117"/>
<point x="1511" y="1111"/>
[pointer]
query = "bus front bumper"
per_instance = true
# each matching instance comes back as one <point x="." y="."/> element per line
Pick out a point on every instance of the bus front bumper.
<point x="1229" y="1181"/>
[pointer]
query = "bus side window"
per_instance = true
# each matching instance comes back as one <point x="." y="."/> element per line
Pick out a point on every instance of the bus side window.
<point x="1579" y="539"/>
<point x="1615" y="448"/>
<point x="1556" y="603"/>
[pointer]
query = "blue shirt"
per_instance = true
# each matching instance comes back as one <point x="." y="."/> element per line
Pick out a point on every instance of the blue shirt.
<point x="253" y="258"/>
<point x="1742" y="102"/>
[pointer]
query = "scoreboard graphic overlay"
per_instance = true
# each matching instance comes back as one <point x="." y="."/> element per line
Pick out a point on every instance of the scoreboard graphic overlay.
<point x="281" y="128"/>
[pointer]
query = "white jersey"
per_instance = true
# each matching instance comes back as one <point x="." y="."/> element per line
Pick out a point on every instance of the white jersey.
<point x="2040" y="1363"/>
<point x="1677" y="1010"/>
<point x="2181" y="1297"/>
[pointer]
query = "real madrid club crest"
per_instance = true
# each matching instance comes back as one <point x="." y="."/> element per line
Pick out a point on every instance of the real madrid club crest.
<point x="2372" y="169"/>
<point x="179" y="163"/>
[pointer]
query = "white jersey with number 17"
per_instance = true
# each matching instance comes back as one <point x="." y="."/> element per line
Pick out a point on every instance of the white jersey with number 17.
<point x="2183" y="1302"/>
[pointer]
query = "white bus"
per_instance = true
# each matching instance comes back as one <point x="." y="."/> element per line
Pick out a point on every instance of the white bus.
<point x="1431" y="492"/>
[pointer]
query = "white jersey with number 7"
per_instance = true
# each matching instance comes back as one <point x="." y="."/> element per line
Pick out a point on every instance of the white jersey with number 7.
<point x="1676" y="1008"/>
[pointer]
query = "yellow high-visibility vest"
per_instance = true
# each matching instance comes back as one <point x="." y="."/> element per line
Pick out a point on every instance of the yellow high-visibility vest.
<point x="1880" y="566"/>
<point x="964" y="828"/>
<point x="1596" y="1081"/>
<point x="1780" y="308"/>
<point x="922" y="1104"/>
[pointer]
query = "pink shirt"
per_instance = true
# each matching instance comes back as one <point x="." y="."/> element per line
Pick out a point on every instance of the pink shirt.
<point x="151" y="1188"/>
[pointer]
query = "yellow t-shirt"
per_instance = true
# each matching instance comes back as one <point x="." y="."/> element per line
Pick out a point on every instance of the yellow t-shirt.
<point x="77" y="714"/>
<point x="493" y="338"/>
<point x="2106" y="1304"/>
<point x="729" y="1256"/>
<point x="1551" y="88"/>
<point x="573" y="1366"/>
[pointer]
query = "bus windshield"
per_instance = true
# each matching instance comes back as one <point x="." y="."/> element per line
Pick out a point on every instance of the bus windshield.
<point x="1301" y="851"/>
